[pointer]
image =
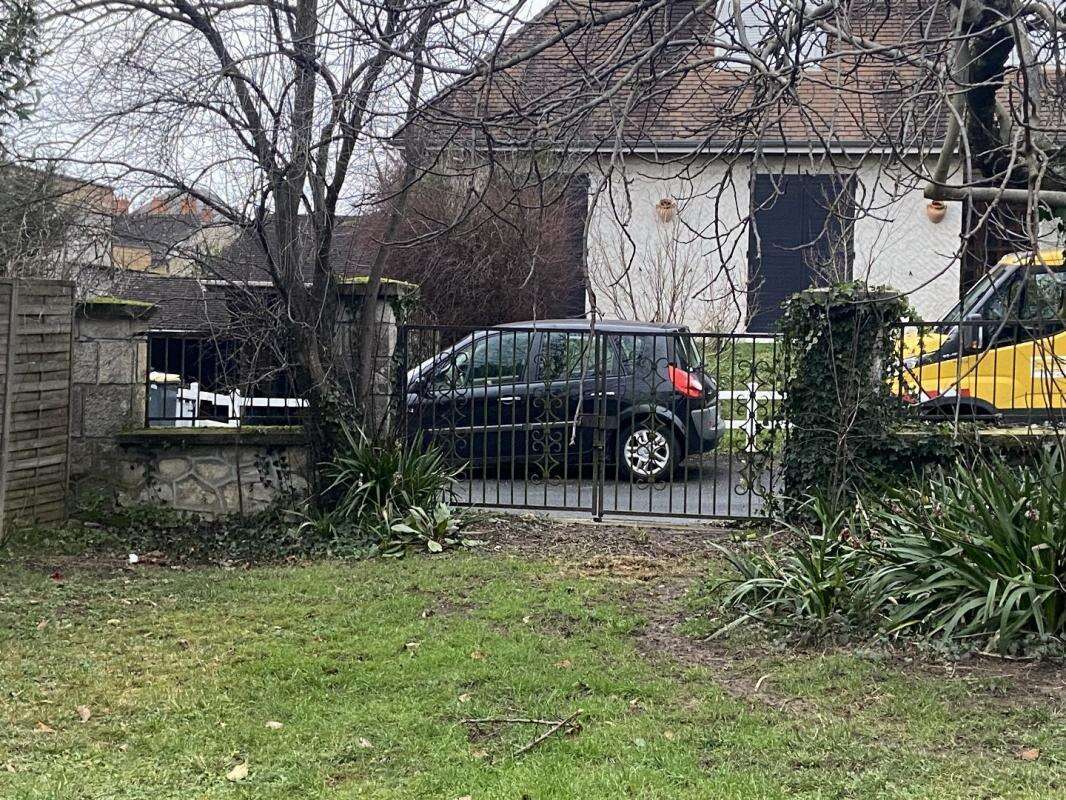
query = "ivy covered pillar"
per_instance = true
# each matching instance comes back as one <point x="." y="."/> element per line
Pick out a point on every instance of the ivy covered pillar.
<point x="839" y="405"/>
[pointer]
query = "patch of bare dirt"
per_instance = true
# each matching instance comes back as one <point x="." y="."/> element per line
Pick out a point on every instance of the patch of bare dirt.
<point x="537" y="536"/>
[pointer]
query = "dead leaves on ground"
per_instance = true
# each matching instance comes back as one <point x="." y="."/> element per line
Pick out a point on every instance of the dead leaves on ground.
<point x="238" y="773"/>
<point x="1029" y="753"/>
<point x="628" y="568"/>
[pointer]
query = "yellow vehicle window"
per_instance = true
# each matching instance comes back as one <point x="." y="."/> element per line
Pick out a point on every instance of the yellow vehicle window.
<point x="1045" y="297"/>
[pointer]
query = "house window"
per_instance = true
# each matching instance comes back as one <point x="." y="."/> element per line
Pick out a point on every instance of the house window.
<point x="763" y="20"/>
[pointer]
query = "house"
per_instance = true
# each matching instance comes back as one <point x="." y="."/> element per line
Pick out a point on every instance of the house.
<point x="714" y="196"/>
<point x="52" y="225"/>
<point x="172" y="234"/>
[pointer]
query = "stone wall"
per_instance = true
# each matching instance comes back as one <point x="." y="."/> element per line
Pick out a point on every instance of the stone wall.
<point x="211" y="471"/>
<point x="110" y="359"/>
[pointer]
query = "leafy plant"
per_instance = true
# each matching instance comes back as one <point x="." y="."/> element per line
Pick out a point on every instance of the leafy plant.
<point x="977" y="552"/>
<point x="812" y="579"/>
<point x="436" y="529"/>
<point x="19" y="57"/>
<point x="381" y="484"/>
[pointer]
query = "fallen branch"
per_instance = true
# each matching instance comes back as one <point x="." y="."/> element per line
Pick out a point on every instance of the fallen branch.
<point x="509" y="721"/>
<point x="554" y="729"/>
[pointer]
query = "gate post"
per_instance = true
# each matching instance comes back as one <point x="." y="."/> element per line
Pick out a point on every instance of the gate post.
<point x="599" y="350"/>
<point x="838" y="406"/>
<point x="399" y="363"/>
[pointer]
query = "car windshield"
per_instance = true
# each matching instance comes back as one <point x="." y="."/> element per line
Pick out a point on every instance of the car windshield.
<point x="688" y="351"/>
<point x="973" y="304"/>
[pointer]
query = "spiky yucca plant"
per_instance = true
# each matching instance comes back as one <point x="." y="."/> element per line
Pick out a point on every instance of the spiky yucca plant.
<point x="976" y="552"/>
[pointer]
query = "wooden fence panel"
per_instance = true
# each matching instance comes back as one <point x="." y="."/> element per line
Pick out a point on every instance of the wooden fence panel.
<point x="36" y="327"/>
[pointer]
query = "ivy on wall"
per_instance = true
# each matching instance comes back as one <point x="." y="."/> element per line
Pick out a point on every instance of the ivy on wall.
<point x="843" y="419"/>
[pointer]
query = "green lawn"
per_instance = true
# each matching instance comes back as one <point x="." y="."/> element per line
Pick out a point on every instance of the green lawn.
<point x="371" y="666"/>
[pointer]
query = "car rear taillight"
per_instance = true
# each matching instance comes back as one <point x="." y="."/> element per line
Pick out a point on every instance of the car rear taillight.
<point x="685" y="382"/>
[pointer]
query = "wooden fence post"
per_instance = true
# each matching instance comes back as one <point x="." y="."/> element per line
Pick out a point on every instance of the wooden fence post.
<point x="5" y="423"/>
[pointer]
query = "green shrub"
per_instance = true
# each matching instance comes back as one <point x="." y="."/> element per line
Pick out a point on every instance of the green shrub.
<point x="977" y="553"/>
<point x="811" y="579"/>
<point x="378" y="483"/>
<point x="974" y="555"/>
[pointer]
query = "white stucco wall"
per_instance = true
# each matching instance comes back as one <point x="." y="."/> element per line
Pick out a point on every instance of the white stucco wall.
<point x="897" y="245"/>
<point x="694" y="268"/>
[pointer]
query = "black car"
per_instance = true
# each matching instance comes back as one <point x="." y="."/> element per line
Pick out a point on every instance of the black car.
<point x="534" y="393"/>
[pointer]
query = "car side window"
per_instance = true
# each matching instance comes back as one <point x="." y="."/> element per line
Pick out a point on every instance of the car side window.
<point x="1045" y="297"/>
<point x="570" y="355"/>
<point x="642" y="352"/>
<point x="566" y="355"/>
<point x="495" y="359"/>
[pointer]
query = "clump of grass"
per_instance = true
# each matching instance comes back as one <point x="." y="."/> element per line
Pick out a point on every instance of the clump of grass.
<point x="392" y="497"/>
<point x="977" y="553"/>
<point x="811" y="577"/>
<point x="380" y="482"/>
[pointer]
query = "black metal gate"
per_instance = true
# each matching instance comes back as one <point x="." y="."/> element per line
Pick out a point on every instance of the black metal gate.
<point x="606" y="419"/>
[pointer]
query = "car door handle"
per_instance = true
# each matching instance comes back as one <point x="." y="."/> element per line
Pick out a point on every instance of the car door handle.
<point x="510" y="399"/>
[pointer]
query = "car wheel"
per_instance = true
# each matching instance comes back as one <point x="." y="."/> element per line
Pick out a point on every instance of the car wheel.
<point x="647" y="453"/>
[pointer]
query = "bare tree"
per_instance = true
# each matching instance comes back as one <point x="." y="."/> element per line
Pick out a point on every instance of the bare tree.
<point x="271" y="112"/>
<point x="266" y="112"/>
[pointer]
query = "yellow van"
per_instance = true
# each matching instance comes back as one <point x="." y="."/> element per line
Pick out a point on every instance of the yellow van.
<point x="1001" y="352"/>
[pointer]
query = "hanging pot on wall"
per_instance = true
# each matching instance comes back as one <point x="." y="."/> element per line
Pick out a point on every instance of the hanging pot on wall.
<point x="936" y="211"/>
<point x="666" y="209"/>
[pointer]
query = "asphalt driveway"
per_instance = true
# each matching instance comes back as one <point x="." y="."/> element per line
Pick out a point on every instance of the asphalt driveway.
<point x="710" y="488"/>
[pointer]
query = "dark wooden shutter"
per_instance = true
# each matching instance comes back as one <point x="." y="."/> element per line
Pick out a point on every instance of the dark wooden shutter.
<point x="800" y="236"/>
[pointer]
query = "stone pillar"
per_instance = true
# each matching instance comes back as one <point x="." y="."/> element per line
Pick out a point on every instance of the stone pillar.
<point x="108" y="393"/>
<point x="390" y="298"/>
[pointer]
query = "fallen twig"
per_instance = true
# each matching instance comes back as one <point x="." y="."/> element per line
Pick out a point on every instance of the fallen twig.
<point x="509" y="721"/>
<point x="1006" y="657"/>
<point x="559" y="725"/>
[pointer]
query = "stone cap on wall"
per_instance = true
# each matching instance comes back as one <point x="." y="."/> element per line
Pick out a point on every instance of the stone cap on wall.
<point x="390" y="287"/>
<point x="249" y="435"/>
<point x="112" y="307"/>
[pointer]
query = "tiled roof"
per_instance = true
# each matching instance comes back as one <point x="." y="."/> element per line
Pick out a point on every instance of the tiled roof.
<point x="182" y="304"/>
<point x="564" y="95"/>
<point x="245" y="259"/>
<point x="161" y="234"/>
<point x="200" y="304"/>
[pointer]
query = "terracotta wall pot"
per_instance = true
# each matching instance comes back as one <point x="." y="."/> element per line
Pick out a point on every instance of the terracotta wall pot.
<point x="936" y="211"/>
<point x="666" y="209"/>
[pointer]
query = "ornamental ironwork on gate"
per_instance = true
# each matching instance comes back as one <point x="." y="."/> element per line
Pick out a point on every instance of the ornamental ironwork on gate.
<point x="611" y="418"/>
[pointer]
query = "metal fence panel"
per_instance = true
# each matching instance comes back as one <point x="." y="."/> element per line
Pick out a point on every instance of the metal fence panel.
<point x="617" y="419"/>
